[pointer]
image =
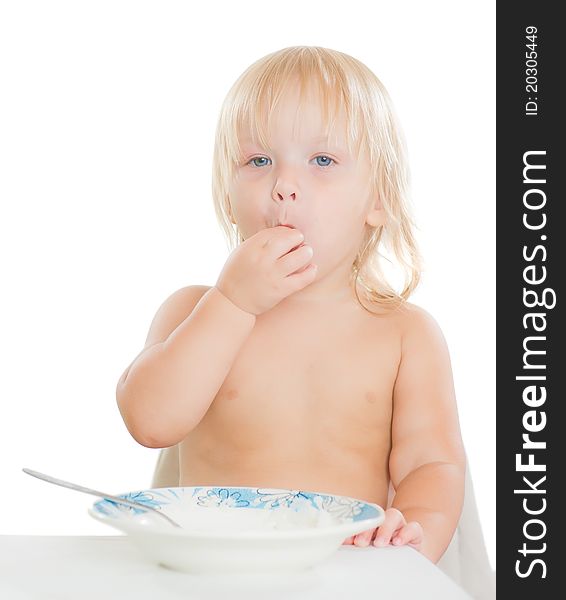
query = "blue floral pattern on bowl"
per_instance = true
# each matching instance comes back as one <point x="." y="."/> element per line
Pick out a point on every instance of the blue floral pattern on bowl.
<point x="212" y="539"/>
<point x="341" y="507"/>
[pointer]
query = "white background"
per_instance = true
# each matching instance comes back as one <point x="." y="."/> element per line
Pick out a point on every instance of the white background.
<point x="107" y="118"/>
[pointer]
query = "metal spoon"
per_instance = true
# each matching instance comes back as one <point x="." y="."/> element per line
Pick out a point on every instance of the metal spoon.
<point x="80" y="488"/>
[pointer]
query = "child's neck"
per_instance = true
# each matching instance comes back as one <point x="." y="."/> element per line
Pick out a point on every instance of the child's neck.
<point x="329" y="290"/>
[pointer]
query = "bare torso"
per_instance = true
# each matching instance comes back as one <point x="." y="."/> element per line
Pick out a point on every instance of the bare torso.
<point x="307" y="405"/>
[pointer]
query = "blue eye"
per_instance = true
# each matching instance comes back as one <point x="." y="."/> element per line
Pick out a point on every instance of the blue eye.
<point x="327" y="158"/>
<point x="258" y="158"/>
<point x="263" y="158"/>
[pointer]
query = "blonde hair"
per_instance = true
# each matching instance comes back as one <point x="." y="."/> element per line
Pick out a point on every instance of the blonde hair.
<point x="372" y="125"/>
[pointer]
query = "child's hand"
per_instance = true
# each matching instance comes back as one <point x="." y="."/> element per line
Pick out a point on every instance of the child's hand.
<point x="267" y="267"/>
<point x="394" y="529"/>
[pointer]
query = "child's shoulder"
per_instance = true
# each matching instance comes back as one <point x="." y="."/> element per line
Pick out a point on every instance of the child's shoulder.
<point x="413" y="312"/>
<point x="417" y="323"/>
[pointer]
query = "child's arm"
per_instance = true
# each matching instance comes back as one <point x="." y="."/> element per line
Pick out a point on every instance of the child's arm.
<point x="427" y="461"/>
<point x="170" y="385"/>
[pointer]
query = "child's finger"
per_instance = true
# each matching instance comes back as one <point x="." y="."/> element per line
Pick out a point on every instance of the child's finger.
<point x="411" y="533"/>
<point x="349" y="540"/>
<point x="364" y="538"/>
<point x="394" y="520"/>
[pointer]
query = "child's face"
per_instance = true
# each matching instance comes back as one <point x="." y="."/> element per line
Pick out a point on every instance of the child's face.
<point x="302" y="180"/>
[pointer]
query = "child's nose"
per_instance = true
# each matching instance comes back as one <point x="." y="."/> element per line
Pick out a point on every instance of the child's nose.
<point x="291" y="196"/>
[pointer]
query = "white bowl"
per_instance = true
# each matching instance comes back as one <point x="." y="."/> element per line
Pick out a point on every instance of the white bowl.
<point x="239" y="529"/>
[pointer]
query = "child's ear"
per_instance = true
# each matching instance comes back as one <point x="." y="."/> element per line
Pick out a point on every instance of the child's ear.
<point x="376" y="214"/>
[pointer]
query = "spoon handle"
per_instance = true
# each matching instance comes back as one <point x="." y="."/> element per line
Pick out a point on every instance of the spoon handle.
<point x="80" y="488"/>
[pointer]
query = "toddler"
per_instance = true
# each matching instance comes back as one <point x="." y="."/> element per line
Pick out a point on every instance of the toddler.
<point x="302" y="367"/>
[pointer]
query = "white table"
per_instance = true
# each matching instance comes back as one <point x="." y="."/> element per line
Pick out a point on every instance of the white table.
<point x="111" y="567"/>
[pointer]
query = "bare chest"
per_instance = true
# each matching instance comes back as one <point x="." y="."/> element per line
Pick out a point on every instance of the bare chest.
<point x="315" y="388"/>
